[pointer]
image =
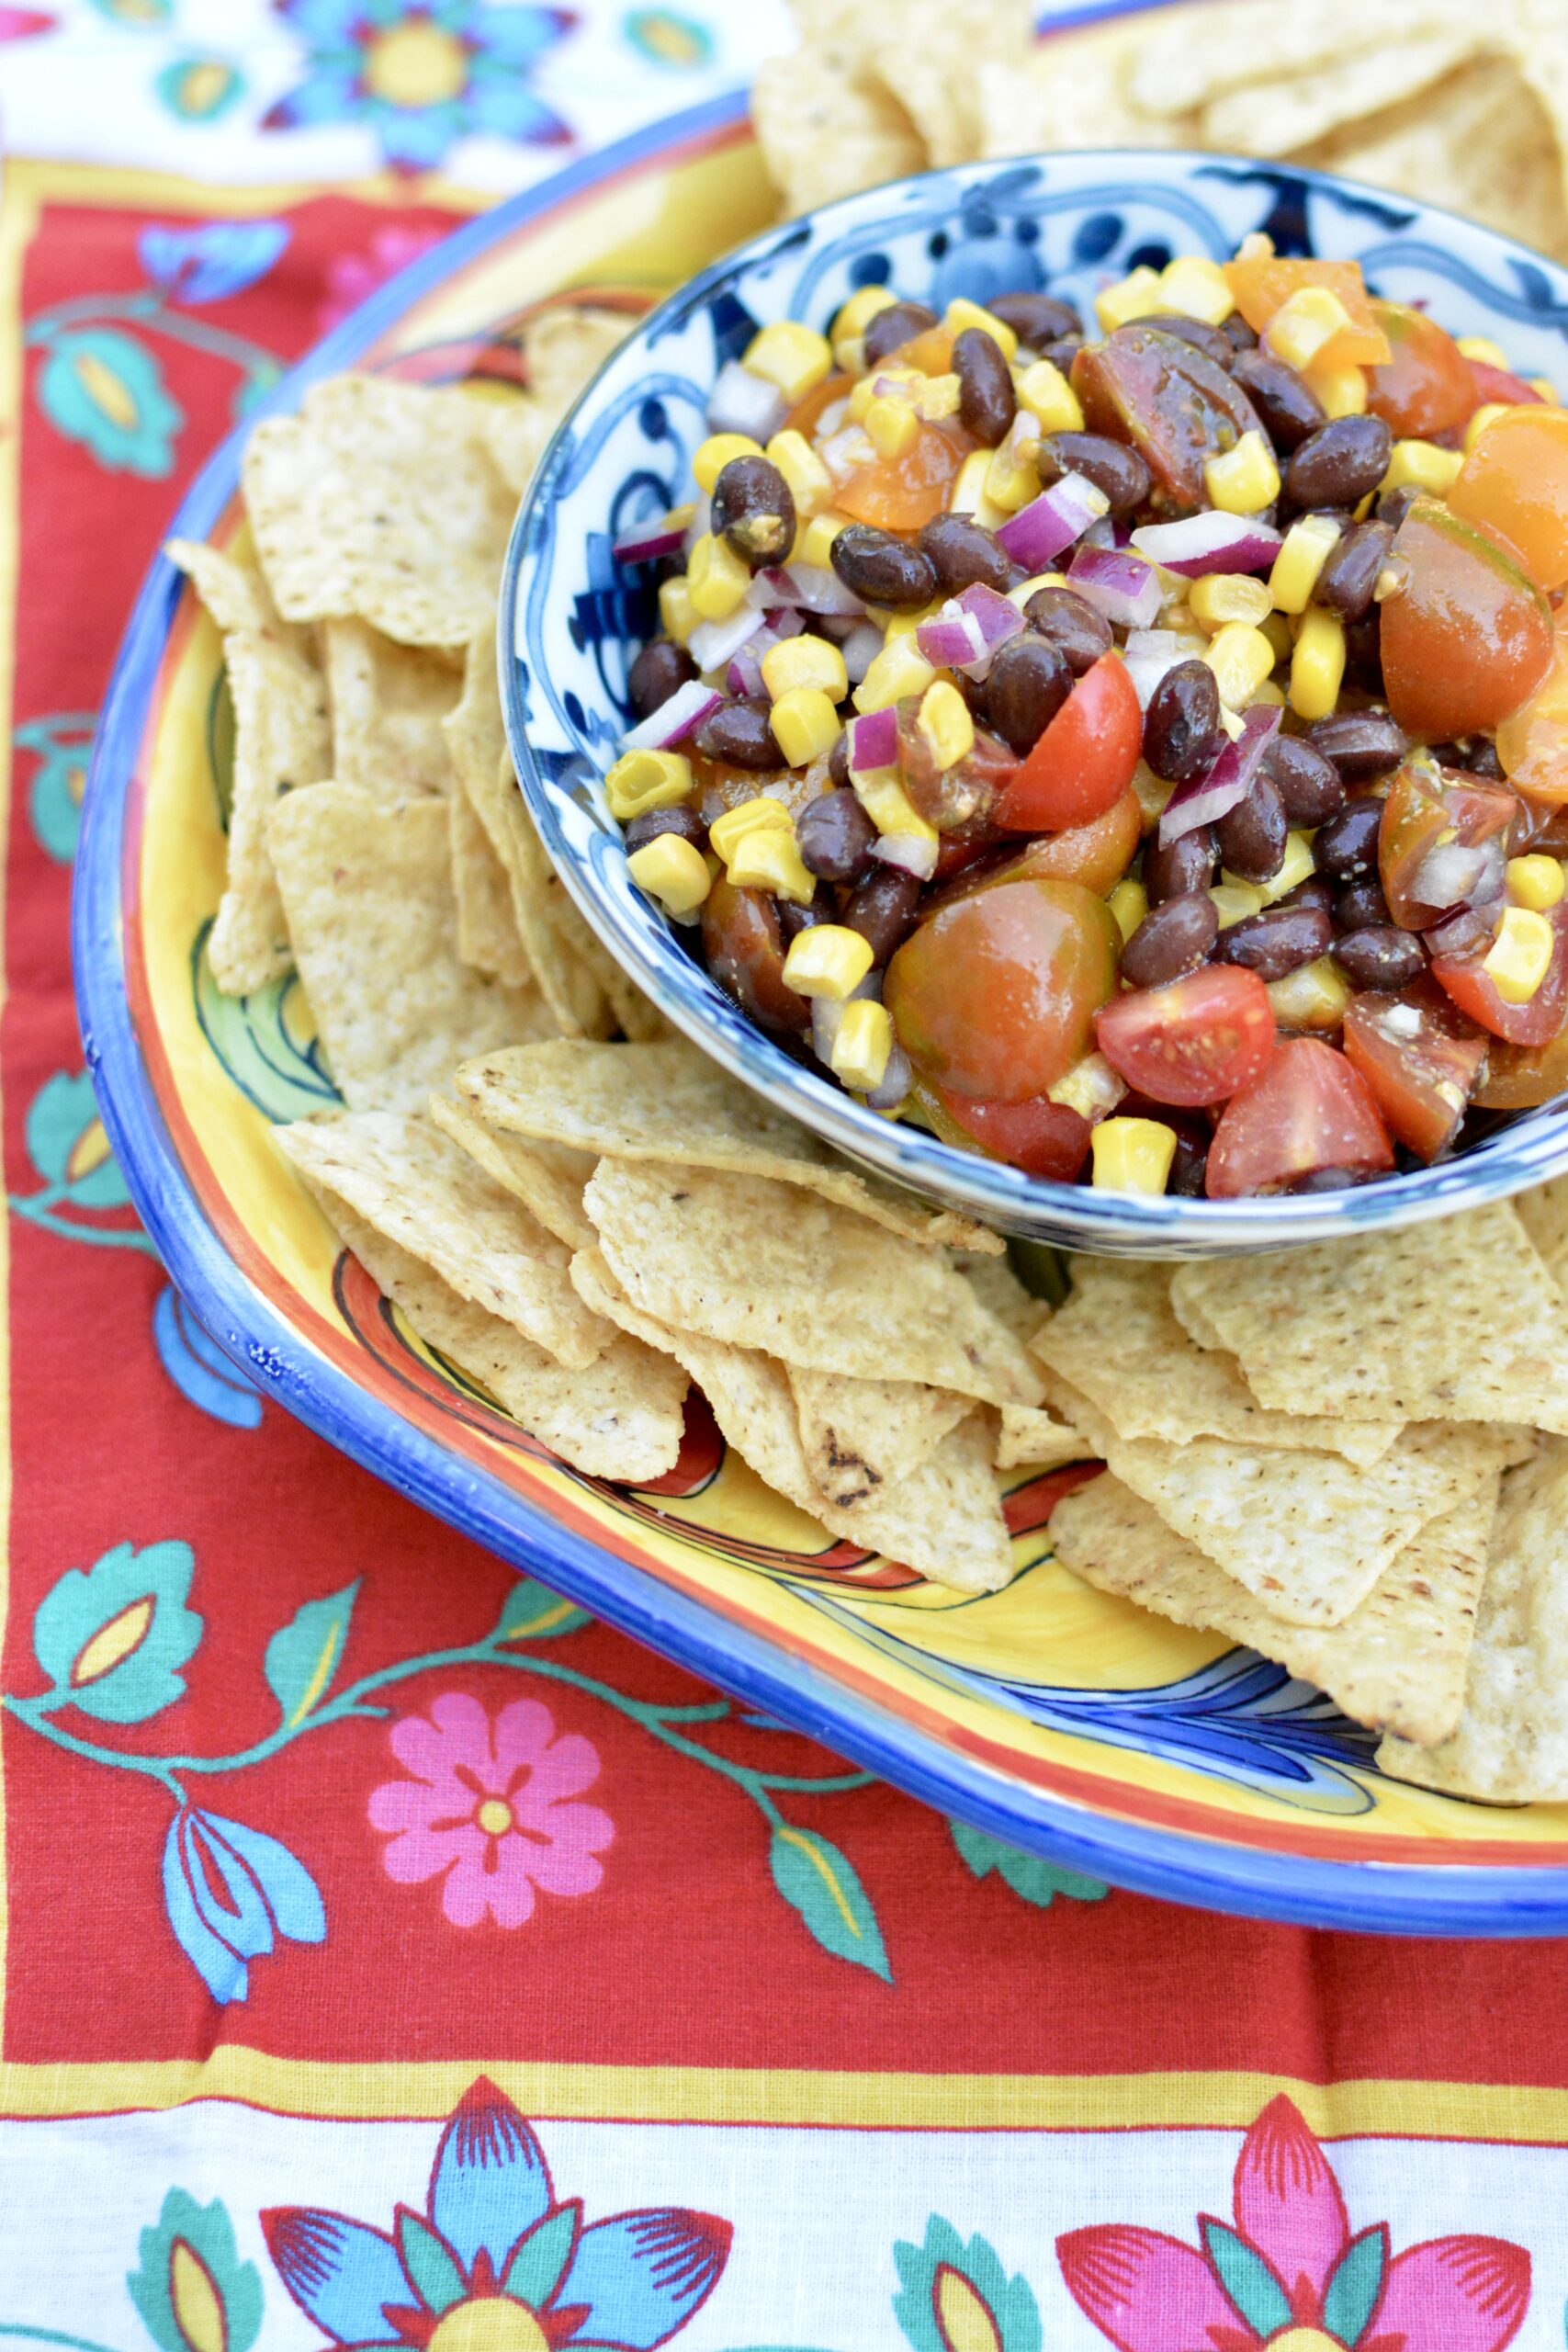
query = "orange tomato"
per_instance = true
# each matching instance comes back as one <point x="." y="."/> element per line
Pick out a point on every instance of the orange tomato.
<point x="803" y="416"/>
<point x="1468" y="638"/>
<point x="1261" y="283"/>
<point x="1533" y="744"/>
<point x="1426" y="384"/>
<point x="931" y="352"/>
<point x="1515" y="482"/>
<point x="901" y="493"/>
<point x="1096" y="854"/>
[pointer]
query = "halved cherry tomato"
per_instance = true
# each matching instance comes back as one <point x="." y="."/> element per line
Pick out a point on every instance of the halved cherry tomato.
<point x="1514" y="482"/>
<point x="1535" y="1023"/>
<point x="931" y="351"/>
<point x="1096" y="854"/>
<point x="1262" y="282"/>
<point x="959" y="801"/>
<point x="1193" y="1042"/>
<point x="1426" y="385"/>
<point x="1173" y="404"/>
<point x="1500" y="384"/>
<point x="995" y="995"/>
<point x="1420" y="1060"/>
<point x="1309" y="1109"/>
<point x="1416" y="817"/>
<point x="1521" y="1077"/>
<point x="804" y="415"/>
<point x="901" y="493"/>
<point x="745" y="950"/>
<point x="1533" y="743"/>
<point x="1043" y="1137"/>
<point x="1084" y="761"/>
<point x="1468" y="638"/>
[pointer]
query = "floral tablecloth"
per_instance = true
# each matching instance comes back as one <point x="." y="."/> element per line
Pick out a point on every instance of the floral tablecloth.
<point x="391" y="1955"/>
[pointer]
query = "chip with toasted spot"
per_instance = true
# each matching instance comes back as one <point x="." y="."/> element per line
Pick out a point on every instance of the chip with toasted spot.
<point x="1396" y="1663"/>
<point x="1031" y="1438"/>
<point x="666" y="1101"/>
<point x="547" y="1178"/>
<point x="388" y="703"/>
<point x="486" y="933"/>
<point x="861" y="1436"/>
<point x="367" y="892"/>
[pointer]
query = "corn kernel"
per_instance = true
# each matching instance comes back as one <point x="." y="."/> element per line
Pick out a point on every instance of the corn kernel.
<point x="810" y="483"/>
<point x="1423" y="466"/>
<point x="1296" y="866"/>
<point x="1482" y="347"/>
<point x="1312" y="996"/>
<point x="960" y="314"/>
<point x="1045" y="393"/>
<point x="854" y="317"/>
<point x="1139" y="295"/>
<point x="643" y="780"/>
<point x="1240" y="658"/>
<point x="1341" y="391"/>
<point x="1091" y="1087"/>
<point x="1280" y="635"/>
<point x="767" y="859"/>
<point x="1534" y="881"/>
<point x="1486" y="414"/>
<point x="1234" y="901"/>
<point x="1245" y="478"/>
<point x="673" y="871"/>
<point x="893" y="425"/>
<point x="969" y="496"/>
<point x="906" y="623"/>
<point x="1129" y="902"/>
<point x="715" y="452"/>
<point x="1153" y="793"/>
<point x="1222" y="597"/>
<point x="792" y="357"/>
<point x="1520" y="957"/>
<point x="1270" y="691"/>
<point x="1317" y="665"/>
<point x="677" y="614"/>
<point x="830" y="960"/>
<point x="899" y="669"/>
<point x="1027" y="588"/>
<point x="1011" y="478"/>
<point x="1233" y="722"/>
<point x="945" y="725"/>
<point x="806" y="724"/>
<point x="718" y="578"/>
<point x="1306" y="548"/>
<point x="805" y="660"/>
<point x="1197" y="288"/>
<point x="816" y="542"/>
<point x="938" y="396"/>
<point x="1132" y="1155"/>
<point x="1545" y="387"/>
<point x="762" y="814"/>
<point x="863" y="1045"/>
<point x="1305" y="325"/>
<point x="889" y="806"/>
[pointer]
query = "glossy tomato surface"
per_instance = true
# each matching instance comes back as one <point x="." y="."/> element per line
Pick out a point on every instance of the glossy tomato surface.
<point x="1420" y="1061"/>
<point x="901" y="493"/>
<point x="1262" y="283"/>
<point x="1172" y="403"/>
<point x="1425" y="384"/>
<point x="1096" y="854"/>
<point x="744" y="953"/>
<point x="1535" y="1023"/>
<point x="1309" y="1109"/>
<point x="1533" y="744"/>
<point x="1520" y="1078"/>
<point x="1193" y="1042"/>
<point x="1043" y="1137"/>
<point x="1421" y="816"/>
<point x="1468" y="636"/>
<point x="1514" y="482"/>
<point x="995" y="996"/>
<point x="1084" y="761"/>
<point x="1500" y="384"/>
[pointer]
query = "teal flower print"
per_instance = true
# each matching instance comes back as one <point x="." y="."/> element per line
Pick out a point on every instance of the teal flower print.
<point x="60" y="743"/>
<point x="112" y="1638"/>
<point x="107" y="390"/>
<point x="190" y="2287"/>
<point x="199" y="89"/>
<point x="957" y="2297"/>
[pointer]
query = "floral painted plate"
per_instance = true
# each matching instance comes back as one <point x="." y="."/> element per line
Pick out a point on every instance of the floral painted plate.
<point x="1054" y="1716"/>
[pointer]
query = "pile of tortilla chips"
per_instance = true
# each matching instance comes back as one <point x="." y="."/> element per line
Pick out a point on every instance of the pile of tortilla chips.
<point x="1461" y="106"/>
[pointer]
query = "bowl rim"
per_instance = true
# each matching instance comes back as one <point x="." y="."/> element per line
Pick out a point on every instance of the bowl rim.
<point x="1527" y="1151"/>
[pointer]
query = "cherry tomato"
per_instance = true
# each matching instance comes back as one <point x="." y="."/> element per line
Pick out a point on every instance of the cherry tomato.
<point x="1309" y="1109"/>
<point x="901" y="493"/>
<point x="1520" y="1078"/>
<point x="1084" y="761"/>
<point x="1420" y="1062"/>
<point x="1500" y="384"/>
<point x="1514" y="481"/>
<point x="1096" y="854"/>
<point x="1468" y="638"/>
<point x="1174" y="405"/>
<point x="1194" y="1042"/>
<point x="995" y="995"/>
<point x="1533" y="742"/>
<point x="1475" y="992"/>
<point x="1426" y="385"/>
<point x="1262" y="282"/>
<point x="960" y="801"/>
<point x="1415" y="818"/>
<point x="802" y="417"/>
<point x="931" y="351"/>
<point x="745" y="953"/>
<point x="1043" y="1137"/>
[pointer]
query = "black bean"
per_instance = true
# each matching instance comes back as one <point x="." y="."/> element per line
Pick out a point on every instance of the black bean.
<point x="1174" y="937"/>
<point x="834" y="835"/>
<point x="738" y="734"/>
<point x="753" y="511"/>
<point x="1361" y="905"/>
<point x="1338" y="464"/>
<point x="1289" y="408"/>
<point x="1035" y="319"/>
<point x="1063" y="352"/>
<point x="986" y="401"/>
<point x="1080" y="633"/>
<point x="883" y="570"/>
<point x="1345" y="584"/>
<point x="1028" y="683"/>
<point x="1118" y="471"/>
<point x="895" y="325"/>
<point x="1172" y="868"/>
<point x="1363" y="653"/>
<point x="1309" y="787"/>
<point x="1182" y="721"/>
<point x="839" y="759"/>
<point x="1346" y="846"/>
<point x="1211" y="341"/>
<point x="1485" y="762"/>
<point x="1395" y="504"/>
<point x="659" y="668"/>
<point x="1238" y="333"/>
<point x="1277" y="942"/>
<point x="1252" y="834"/>
<point x="1380" y="956"/>
<point x="1476" y="756"/>
<point x="1362" y="744"/>
<point x="794" y="917"/>
<point x="961" y="553"/>
<point x="1315" y="891"/>
<point x="883" y="909"/>
<point x="655" y="821"/>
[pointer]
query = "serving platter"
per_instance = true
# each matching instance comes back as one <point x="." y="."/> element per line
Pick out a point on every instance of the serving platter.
<point x="1055" y="1716"/>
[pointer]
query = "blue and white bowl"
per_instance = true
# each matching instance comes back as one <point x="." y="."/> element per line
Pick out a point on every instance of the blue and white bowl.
<point x="571" y="620"/>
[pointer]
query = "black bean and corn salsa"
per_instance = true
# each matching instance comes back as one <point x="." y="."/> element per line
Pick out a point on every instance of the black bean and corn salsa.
<point x="1138" y="756"/>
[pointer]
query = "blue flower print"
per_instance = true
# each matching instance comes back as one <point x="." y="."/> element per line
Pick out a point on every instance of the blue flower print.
<point x="230" y="1892"/>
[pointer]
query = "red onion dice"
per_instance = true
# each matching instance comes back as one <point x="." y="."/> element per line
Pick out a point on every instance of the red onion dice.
<point x="1040" y="532"/>
<point x="675" y="717"/>
<point x="1204" y="800"/>
<point x="1209" y="542"/>
<point x="1123" y="586"/>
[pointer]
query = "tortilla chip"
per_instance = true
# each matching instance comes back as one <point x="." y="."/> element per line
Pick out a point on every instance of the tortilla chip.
<point x="1543" y="1213"/>
<point x="1034" y="1438"/>
<point x="763" y="1265"/>
<point x="667" y="1102"/>
<point x="281" y="742"/>
<point x="1511" y="1746"/>
<point x="547" y="1178"/>
<point x="566" y="346"/>
<point x="380" y="500"/>
<point x="367" y="890"/>
<point x="517" y="433"/>
<point x="387" y="704"/>
<point x="1308" y="1533"/>
<point x="1397" y="1663"/>
<point x="486" y="935"/>
<point x="997" y="1288"/>
<point x="944" y="1519"/>
<point x="235" y="592"/>
<point x="932" y="65"/>
<point x="1186" y="63"/>
<point x="413" y="1183"/>
<point x="1071" y="91"/>
<point x="860" y="1436"/>
<point x="574" y="972"/>
<point x="1291" y="113"/>
<point x="826" y="129"/>
<point x="1457" y="1319"/>
<point x="1120" y="1345"/>
<point x="1534" y="38"/>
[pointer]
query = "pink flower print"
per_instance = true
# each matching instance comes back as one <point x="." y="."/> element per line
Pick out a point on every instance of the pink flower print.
<point x="352" y="276"/>
<point x="488" y="1809"/>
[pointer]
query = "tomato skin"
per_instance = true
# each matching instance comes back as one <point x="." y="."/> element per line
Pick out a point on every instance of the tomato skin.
<point x="1500" y="384"/>
<point x="1468" y="638"/>
<point x="1425" y="384"/>
<point x="1096" y="854"/>
<point x="1533" y="1024"/>
<point x="995" y="995"/>
<point x="1515" y="482"/>
<point x="1421" y="1079"/>
<point x="744" y="953"/>
<point x="1194" y="1042"/>
<point x="901" y="493"/>
<point x="1261" y="283"/>
<point x="1415" y="817"/>
<point x="1043" y="1137"/>
<point x="1309" y="1109"/>
<point x="1083" y="763"/>
<point x="1532" y="742"/>
<point x="804" y="415"/>
<point x="1521" y="1077"/>
<point x="1173" y="404"/>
